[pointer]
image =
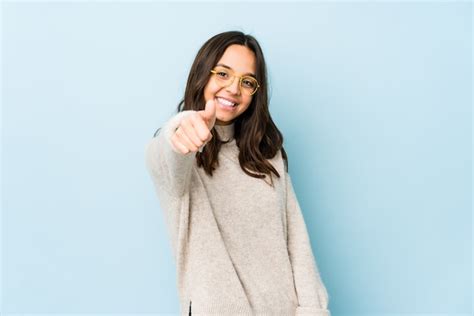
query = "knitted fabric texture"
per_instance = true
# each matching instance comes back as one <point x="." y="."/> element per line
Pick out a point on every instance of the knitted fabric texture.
<point x="241" y="246"/>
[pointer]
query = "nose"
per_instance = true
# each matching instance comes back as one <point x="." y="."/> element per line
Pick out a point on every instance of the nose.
<point x="234" y="87"/>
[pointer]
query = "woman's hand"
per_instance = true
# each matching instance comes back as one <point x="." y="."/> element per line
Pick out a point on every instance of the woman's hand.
<point x="194" y="130"/>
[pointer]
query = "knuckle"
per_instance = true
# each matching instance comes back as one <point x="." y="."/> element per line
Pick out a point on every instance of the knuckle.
<point x="174" y="138"/>
<point x="194" y="117"/>
<point x="186" y="121"/>
<point x="201" y="138"/>
<point x="208" y="136"/>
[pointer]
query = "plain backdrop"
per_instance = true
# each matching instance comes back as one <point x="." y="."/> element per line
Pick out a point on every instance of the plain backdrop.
<point x="374" y="100"/>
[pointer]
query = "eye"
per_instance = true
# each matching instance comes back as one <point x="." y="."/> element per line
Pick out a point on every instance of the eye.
<point x="249" y="83"/>
<point x="222" y="74"/>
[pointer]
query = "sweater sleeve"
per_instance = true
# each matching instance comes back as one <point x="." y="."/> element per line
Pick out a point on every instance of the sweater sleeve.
<point x="311" y="292"/>
<point x="170" y="169"/>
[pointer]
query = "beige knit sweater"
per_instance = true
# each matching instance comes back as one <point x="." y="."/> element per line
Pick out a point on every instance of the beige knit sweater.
<point x="241" y="247"/>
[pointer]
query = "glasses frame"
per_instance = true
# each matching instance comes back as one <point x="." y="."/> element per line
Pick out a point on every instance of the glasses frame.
<point x="233" y="76"/>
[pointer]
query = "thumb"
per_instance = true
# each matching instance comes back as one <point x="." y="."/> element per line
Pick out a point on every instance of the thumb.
<point x="209" y="113"/>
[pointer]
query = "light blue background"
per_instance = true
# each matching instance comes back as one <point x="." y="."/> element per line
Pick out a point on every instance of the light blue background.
<point x="374" y="101"/>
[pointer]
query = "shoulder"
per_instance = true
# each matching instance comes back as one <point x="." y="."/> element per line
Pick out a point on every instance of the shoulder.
<point x="283" y="158"/>
<point x="279" y="161"/>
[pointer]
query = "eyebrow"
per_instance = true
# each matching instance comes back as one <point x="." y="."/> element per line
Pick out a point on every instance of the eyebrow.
<point x="228" y="67"/>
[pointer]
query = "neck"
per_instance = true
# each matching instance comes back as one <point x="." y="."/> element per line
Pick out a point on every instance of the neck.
<point x="224" y="123"/>
<point x="225" y="131"/>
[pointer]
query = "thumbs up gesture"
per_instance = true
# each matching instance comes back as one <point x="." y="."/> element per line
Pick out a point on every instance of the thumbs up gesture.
<point x="194" y="131"/>
<point x="209" y="113"/>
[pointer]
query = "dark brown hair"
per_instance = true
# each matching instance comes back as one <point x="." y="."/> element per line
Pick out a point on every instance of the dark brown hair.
<point x="255" y="133"/>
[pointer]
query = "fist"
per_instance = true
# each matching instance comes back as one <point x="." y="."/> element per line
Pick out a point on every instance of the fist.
<point x="194" y="130"/>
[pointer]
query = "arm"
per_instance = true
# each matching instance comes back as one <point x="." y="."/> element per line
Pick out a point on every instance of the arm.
<point x="311" y="292"/>
<point x="169" y="168"/>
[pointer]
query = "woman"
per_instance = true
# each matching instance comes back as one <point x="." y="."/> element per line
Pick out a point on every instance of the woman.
<point x="221" y="174"/>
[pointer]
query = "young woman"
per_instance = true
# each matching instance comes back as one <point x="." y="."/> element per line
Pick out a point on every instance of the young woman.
<point x="220" y="171"/>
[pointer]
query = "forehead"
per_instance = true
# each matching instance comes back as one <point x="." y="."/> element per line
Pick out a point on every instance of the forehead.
<point x="240" y="58"/>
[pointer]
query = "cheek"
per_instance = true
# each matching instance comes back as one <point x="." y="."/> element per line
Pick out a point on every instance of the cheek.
<point x="247" y="101"/>
<point x="211" y="89"/>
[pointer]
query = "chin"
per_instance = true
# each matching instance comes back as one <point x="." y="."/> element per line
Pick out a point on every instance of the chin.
<point x="224" y="120"/>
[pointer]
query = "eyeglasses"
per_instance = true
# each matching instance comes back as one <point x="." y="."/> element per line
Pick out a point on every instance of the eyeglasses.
<point x="225" y="77"/>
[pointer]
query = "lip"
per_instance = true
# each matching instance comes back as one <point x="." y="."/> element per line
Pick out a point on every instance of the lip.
<point x="226" y="108"/>
<point x="228" y="99"/>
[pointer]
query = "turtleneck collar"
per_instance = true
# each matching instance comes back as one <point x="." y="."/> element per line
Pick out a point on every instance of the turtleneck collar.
<point x="226" y="132"/>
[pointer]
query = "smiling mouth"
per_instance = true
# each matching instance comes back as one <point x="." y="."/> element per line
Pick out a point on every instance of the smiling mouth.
<point x="226" y="103"/>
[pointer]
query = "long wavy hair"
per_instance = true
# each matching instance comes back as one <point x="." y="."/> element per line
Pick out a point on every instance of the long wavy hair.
<point x="255" y="133"/>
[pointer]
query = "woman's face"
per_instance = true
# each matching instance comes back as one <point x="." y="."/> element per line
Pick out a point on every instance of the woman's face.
<point x="240" y="60"/>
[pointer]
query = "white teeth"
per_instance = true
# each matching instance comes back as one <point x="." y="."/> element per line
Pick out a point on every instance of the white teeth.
<point x="225" y="102"/>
